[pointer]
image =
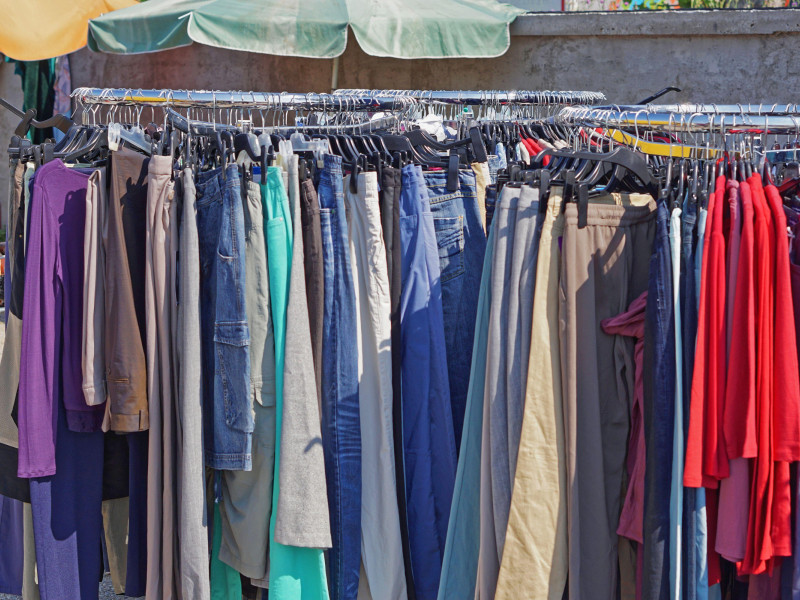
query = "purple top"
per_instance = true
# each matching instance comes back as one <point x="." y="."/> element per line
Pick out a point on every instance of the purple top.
<point x="50" y="361"/>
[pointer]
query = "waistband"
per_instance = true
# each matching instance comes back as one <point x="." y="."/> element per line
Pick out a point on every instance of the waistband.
<point x="412" y="174"/>
<point x="367" y="185"/>
<point x="160" y="165"/>
<point x="391" y="177"/>
<point x="613" y="210"/>
<point x="209" y="184"/>
<point x="509" y="198"/>
<point x="439" y="179"/>
<point x="528" y="196"/>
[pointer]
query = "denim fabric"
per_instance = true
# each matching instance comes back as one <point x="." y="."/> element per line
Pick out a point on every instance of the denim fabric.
<point x="225" y="338"/>
<point x="460" y="564"/>
<point x="659" y="413"/>
<point x="678" y="443"/>
<point x="691" y="575"/>
<point x="491" y="204"/>
<point x="500" y="152"/>
<point x="494" y="166"/>
<point x="461" y="239"/>
<point x="428" y="438"/>
<point x="341" y="421"/>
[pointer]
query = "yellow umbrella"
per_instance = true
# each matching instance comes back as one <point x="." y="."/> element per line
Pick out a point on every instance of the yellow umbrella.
<point x="42" y="29"/>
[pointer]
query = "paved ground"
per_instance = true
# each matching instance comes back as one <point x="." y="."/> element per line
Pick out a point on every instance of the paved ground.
<point x="106" y="591"/>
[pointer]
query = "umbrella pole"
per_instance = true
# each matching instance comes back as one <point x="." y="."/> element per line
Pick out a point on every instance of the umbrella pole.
<point x="335" y="74"/>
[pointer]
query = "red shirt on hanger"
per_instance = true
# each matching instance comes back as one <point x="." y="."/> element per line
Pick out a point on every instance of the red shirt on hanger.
<point x="706" y="456"/>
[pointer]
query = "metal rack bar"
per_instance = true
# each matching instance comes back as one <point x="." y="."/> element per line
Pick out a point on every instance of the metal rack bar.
<point x="713" y="109"/>
<point x="487" y="97"/>
<point x="644" y="118"/>
<point x="236" y="99"/>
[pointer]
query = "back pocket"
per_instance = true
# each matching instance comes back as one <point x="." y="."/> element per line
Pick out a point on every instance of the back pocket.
<point x="450" y="239"/>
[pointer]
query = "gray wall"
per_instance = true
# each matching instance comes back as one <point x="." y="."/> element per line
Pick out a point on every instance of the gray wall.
<point x="730" y="56"/>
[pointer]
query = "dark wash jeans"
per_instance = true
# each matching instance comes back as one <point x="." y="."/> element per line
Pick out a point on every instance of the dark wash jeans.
<point x="659" y="412"/>
<point x="225" y="336"/>
<point x="428" y="440"/>
<point x="341" y="420"/>
<point x="462" y="244"/>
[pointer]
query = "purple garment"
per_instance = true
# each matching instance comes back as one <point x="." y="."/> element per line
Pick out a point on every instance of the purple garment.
<point x="50" y="363"/>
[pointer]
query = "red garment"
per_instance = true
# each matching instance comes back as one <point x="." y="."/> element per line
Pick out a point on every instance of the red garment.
<point x="631" y="323"/>
<point x="535" y="148"/>
<point x="759" y="532"/>
<point x="740" y="393"/>
<point x="706" y="456"/>
<point x="786" y="383"/>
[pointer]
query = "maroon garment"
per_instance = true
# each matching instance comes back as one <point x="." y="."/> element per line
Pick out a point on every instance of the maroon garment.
<point x="631" y="324"/>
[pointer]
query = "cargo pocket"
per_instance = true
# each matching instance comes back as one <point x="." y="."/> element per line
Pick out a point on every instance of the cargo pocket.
<point x="450" y="239"/>
<point x="231" y="341"/>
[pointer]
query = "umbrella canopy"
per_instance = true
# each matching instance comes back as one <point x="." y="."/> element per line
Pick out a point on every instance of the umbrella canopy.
<point x="50" y="28"/>
<point x="311" y="28"/>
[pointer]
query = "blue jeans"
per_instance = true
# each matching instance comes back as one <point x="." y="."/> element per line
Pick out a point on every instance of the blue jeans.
<point x="494" y="166"/>
<point x="462" y="244"/>
<point x="225" y="337"/>
<point x="659" y="412"/>
<point x="341" y="421"/>
<point x="428" y="440"/>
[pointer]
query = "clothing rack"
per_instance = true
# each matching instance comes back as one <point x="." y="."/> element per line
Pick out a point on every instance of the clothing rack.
<point x="210" y="99"/>
<point x="487" y="97"/>
<point x="689" y="118"/>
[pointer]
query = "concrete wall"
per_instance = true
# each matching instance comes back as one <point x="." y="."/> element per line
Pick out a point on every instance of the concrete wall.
<point x="714" y="56"/>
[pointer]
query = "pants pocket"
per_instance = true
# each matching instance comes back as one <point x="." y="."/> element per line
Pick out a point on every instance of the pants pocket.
<point x="231" y="342"/>
<point x="450" y="239"/>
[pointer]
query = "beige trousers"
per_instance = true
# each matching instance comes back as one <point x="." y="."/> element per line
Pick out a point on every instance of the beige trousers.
<point x="162" y="451"/>
<point x="534" y="563"/>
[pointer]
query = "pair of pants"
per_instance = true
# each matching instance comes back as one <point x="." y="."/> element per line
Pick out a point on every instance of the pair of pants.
<point x="534" y="561"/>
<point x="160" y="271"/>
<point x="314" y="272"/>
<point x="247" y="495"/>
<point x="67" y="517"/>
<point x="341" y="421"/>
<point x="382" y="548"/>
<point x="192" y="524"/>
<point x="14" y="289"/>
<point x="604" y="267"/>
<point x="460" y="563"/>
<point x="125" y="251"/>
<point x="227" y="411"/>
<point x="428" y="438"/>
<point x="509" y="337"/>
<point x="295" y="573"/>
<point x="461" y="241"/>
<point x="389" y="198"/>
<point x="302" y="517"/>
<point x="659" y="412"/>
